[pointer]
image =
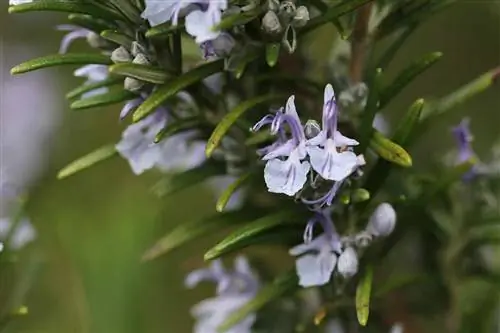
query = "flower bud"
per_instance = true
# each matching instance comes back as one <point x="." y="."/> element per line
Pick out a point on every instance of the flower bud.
<point x="271" y="23"/>
<point x="312" y="129"/>
<point x="95" y="40"/>
<point x="223" y="44"/>
<point x="301" y="16"/>
<point x="382" y="221"/>
<point x="273" y="5"/>
<point x="132" y="84"/>
<point x="120" y="55"/>
<point x="287" y="10"/>
<point x="136" y="48"/>
<point x="347" y="264"/>
<point x="140" y="59"/>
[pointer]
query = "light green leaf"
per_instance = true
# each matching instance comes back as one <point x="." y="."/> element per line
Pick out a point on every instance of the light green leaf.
<point x="79" y="91"/>
<point x="363" y="293"/>
<point x="67" y="7"/>
<point x="163" y="30"/>
<point x="255" y="228"/>
<point x="186" y="232"/>
<point x="272" y="53"/>
<point x="109" y="98"/>
<point x="408" y="123"/>
<point x="88" y="160"/>
<point x="188" y="178"/>
<point x="117" y="38"/>
<point x="229" y="191"/>
<point x="237" y="19"/>
<point x="389" y="150"/>
<point x="279" y="287"/>
<point x="178" y="126"/>
<point x="144" y="73"/>
<point x="172" y="87"/>
<point x="407" y="76"/>
<point x="230" y="118"/>
<point x="60" y="59"/>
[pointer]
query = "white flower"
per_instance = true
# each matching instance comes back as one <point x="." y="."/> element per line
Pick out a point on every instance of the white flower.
<point x="382" y="221"/>
<point x="348" y="263"/>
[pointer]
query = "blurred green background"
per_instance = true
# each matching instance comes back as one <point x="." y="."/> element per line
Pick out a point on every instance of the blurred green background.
<point x="93" y="227"/>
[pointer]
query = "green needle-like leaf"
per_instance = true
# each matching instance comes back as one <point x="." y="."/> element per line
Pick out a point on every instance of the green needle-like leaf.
<point x="67" y="7"/>
<point x="370" y="111"/>
<point x="282" y="285"/>
<point x="237" y="19"/>
<point x="186" y="232"/>
<point x="88" y="160"/>
<point x="230" y="118"/>
<point x="407" y="76"/>
<point x="408" y="124"/>
<point x="109" y="98"/>
<point x="363" y="293"/>
<point x="229" y="191"/>
<point x="60" y="59"/>
<point x="79" y="91"/>
<point x="272" y="53"/>
<point x="171" y="88"/>
<point x="389" y="150"/>
<point x="90" y="23"/>
<point x="255" y="228"/>
<point x="117" y="38"/>
<point x="178" y="126"/>
<point x="163" y="30"/>
<point x="144" y="73"/>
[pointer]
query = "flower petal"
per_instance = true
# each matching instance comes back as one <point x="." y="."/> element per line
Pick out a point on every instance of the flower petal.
<point x="315" y="270"/>
<point x="330" y="164"/>
<point x="286" y="177"/>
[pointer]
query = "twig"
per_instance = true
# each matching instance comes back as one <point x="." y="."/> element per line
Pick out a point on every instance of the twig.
<point x="359" y="43"/>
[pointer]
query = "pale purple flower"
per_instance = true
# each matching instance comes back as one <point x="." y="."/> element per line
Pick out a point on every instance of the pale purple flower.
<point x="382" y="221"/>
<point x="161" y="11"/>
<point x="21" y="236"/>
<point x="200" y="23"/>
<point x="325" y="156"/>
<point x="234" y="289"/>
<point x="317" y="257"/>
<point x="285" y="170"/>
<point x="93" y="74"/>
<point x="74" y="33"/>
<point x="464" y="140"/>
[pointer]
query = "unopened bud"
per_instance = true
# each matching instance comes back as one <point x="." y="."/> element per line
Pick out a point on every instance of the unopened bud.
<point x="273" y="5"/>
<point x="301" y="16"/>
<point x="223" y="44"/>
<point x="132" y="84"/>
<point x="271" y="23"/>
<point x="136" y="48"/>
<point x="382" y="221"/>
<point x="120" y="55"/>
<point x="347" y="265"/>
<point x="287" y="10"/>
<point x="312" y="129"/>
<point x="290" y="39"/>
<point x="360" y="195"/>
<point x="140" y="59"/>
<point x="95" y="40"/>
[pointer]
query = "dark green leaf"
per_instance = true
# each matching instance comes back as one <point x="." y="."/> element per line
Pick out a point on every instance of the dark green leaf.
<point x="171" y="88"/>
<point x="280" y="286"/>
<point x="389" y="54"/>
<point x="144" y="73"/>
<point x="363" y="294"/>
<point x="255" y="228"/>
<point x="407" y="76"/>
<point x="117" y="38"/>
<point x="178" y="126"/>
<point x="229" y="191"/>
<point x="163" y="30"/>
<point x="389" y="150"/>
<point x="88" y="160"/>
<point x="66" y="6"/>
<point x="79" y="91"/>
<point x="109" y="98"/>
<point x="90" y="23"/>
<point x="370" y="111"/>
<point x="186" y="232"/>
<point x="230" y="118"/>
<point x="60" y="59"/>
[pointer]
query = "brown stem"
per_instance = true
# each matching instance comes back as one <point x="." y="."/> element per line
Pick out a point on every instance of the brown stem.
<point x="359" y="43"/>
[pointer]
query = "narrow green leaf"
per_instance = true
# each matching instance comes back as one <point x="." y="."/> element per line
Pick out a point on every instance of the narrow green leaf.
<point x="65" y="6"/>
<point x="117" y="38"/>
<point x="407" y="76"/>
<point x="255" y="228"/>
<point x="229" y="191"/>
<point x="84" y="88"/>
<point x="282" y="285"/>
<point x="90" y="23"/>
<point x="272" y="53"/>
<point x="237" y="19"/>
<point x="389" y="150"/>
<point x="144" y="73"/>
<point x="333" y="13"/>
<point x="102" y="100"/>
<point x="183" y="233"/>
<point x="370" y="111"/>
<point x="230" y="118"/>
<point x="172" y="87"/>
<point x="409" y="122"/>
<point x="389" y="54"/>
<point x="178" y="126"/>
<point x="88" y="160"/>
<point x="189" y="178"/>
<point x="363" y="293"/>
<point x="163" y="30"/>
<point x="60" y="59"/>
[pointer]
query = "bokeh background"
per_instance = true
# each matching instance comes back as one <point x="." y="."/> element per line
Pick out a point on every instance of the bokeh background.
<point x="93" y="227"/>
